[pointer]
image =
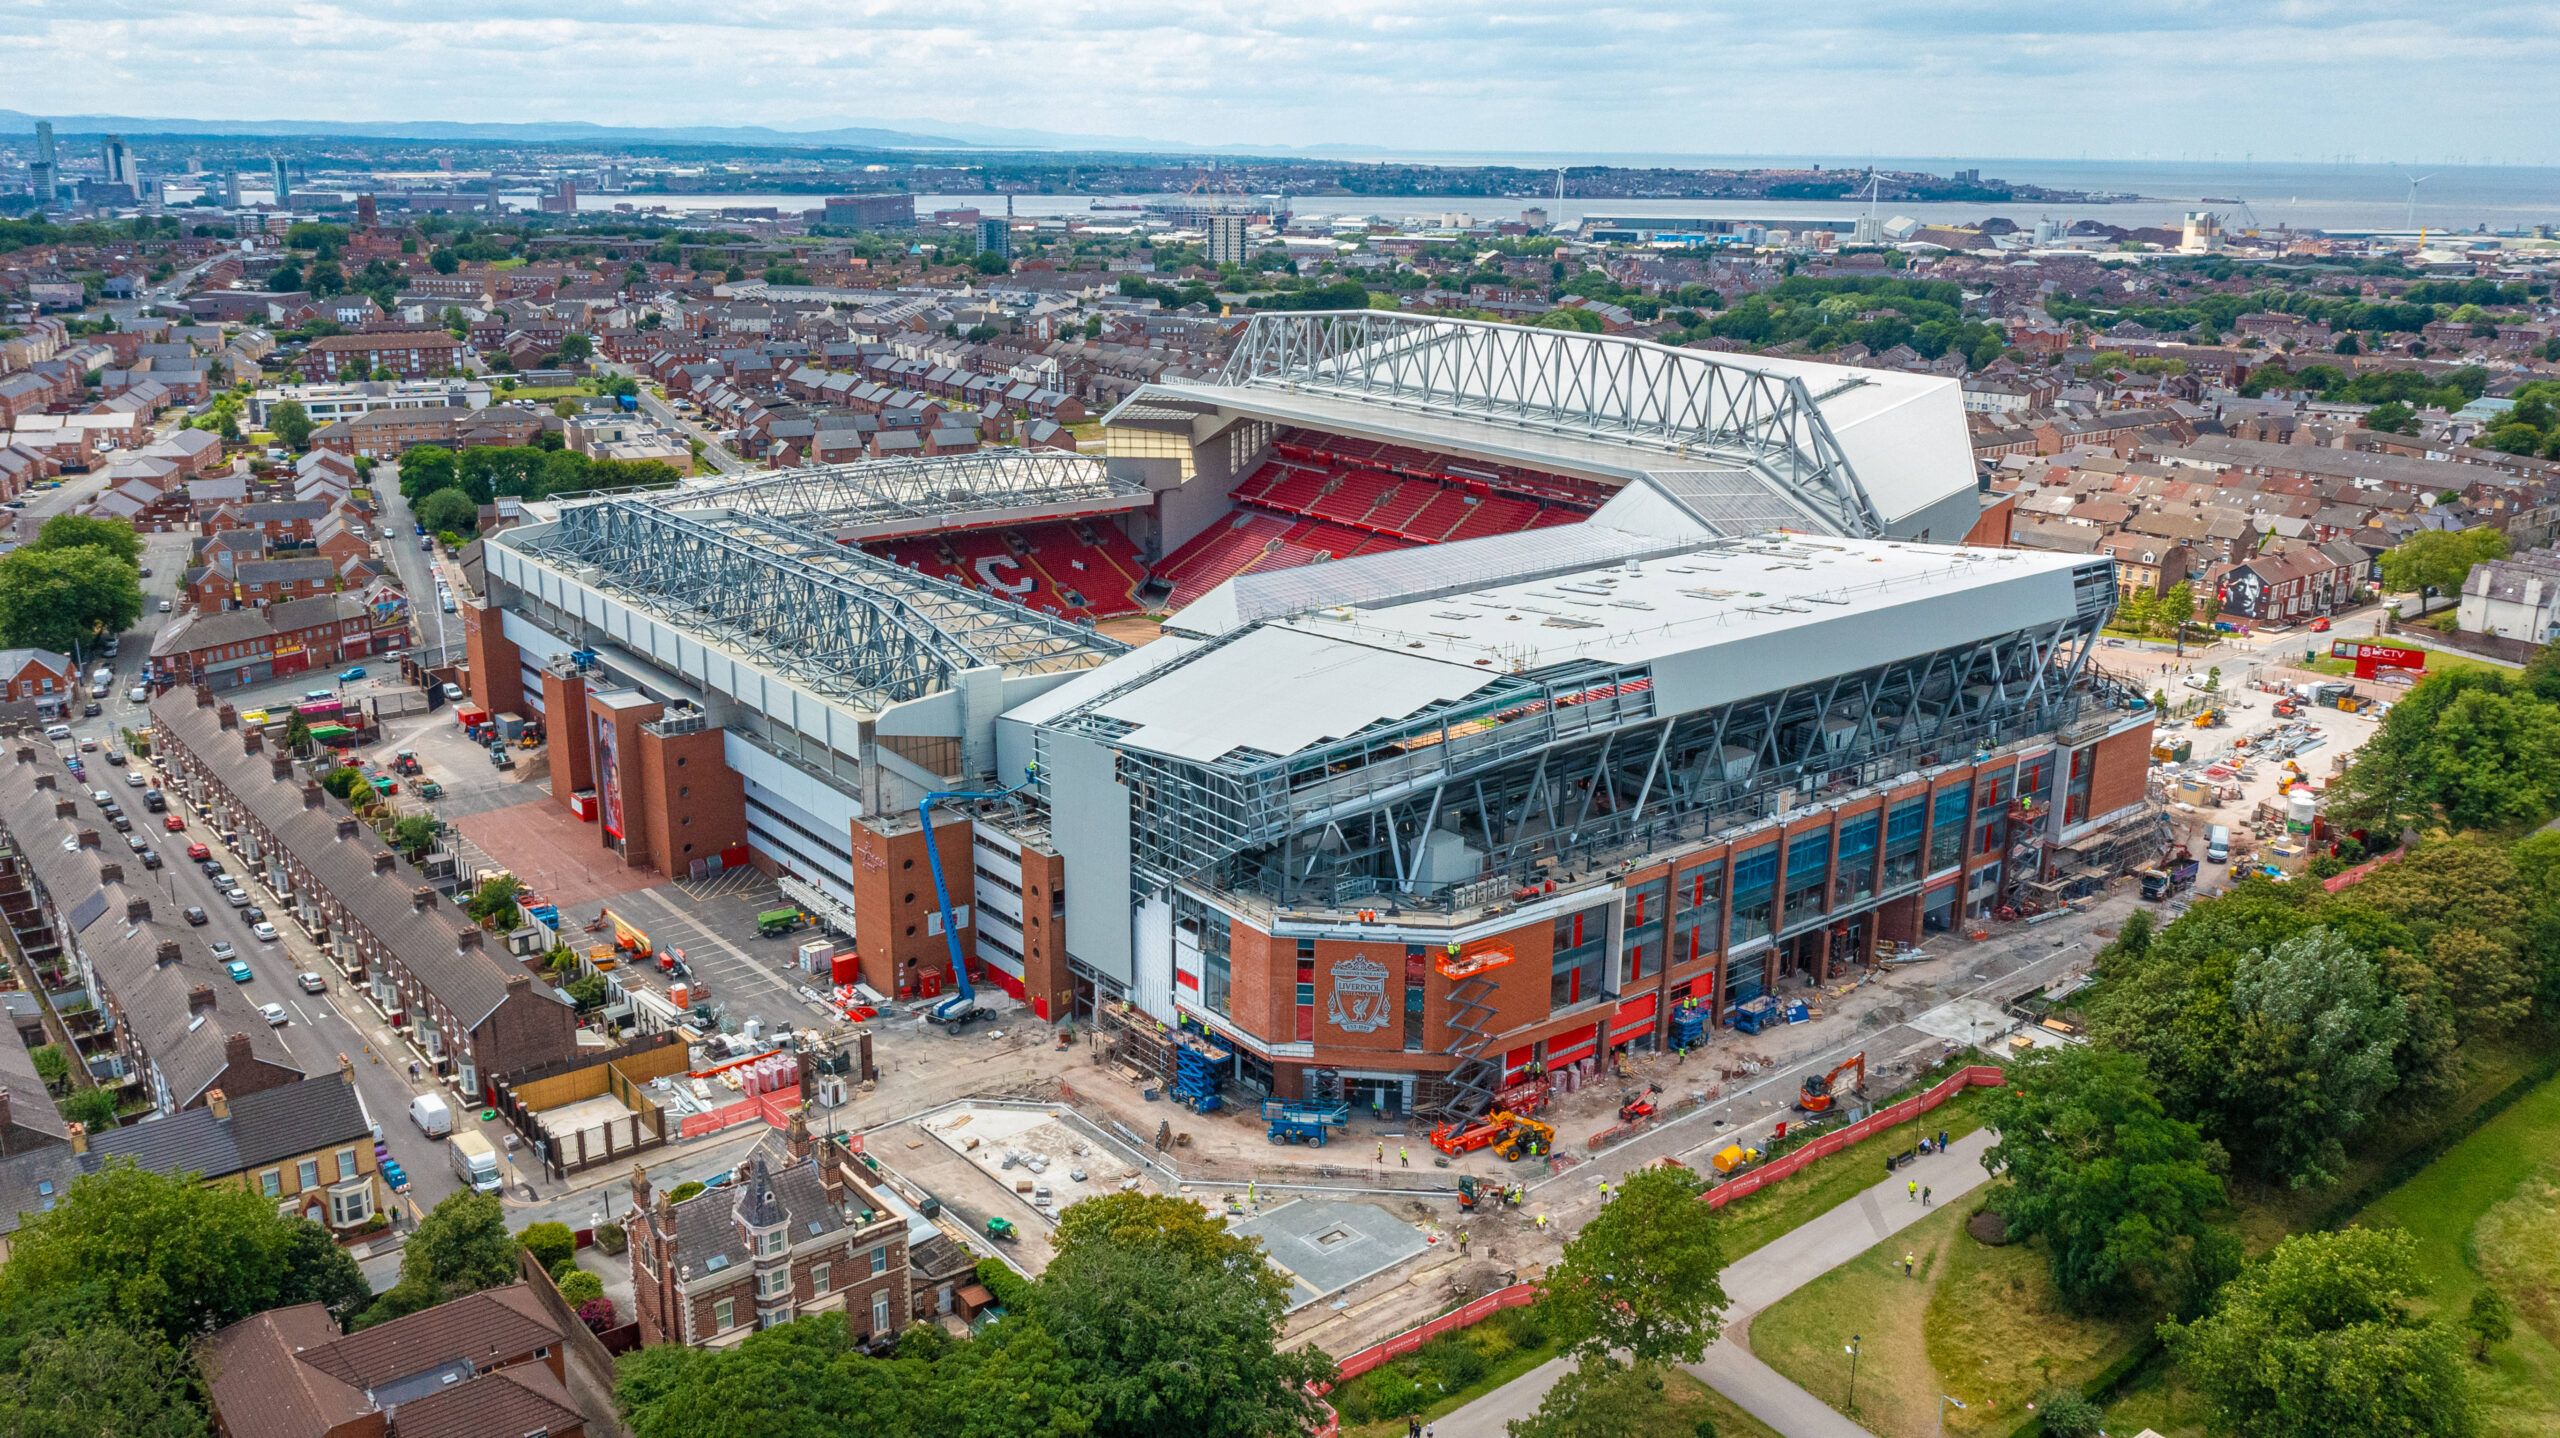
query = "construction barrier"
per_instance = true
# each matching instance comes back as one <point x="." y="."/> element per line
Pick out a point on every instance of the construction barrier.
<point x="1978" y="1075"/>
<point x="773" y="1108"/>
<point x="1456" y="1318"/>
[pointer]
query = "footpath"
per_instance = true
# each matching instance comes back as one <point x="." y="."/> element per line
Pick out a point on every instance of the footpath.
<point x="1756" y="1281"/>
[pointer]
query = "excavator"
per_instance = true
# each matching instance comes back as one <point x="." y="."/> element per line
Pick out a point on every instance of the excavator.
<point x="1821" y="1091"/>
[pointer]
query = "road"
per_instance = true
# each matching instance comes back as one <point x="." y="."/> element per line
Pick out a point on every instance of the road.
<point x="440" y="639"/>
<point x="658" y="409"/>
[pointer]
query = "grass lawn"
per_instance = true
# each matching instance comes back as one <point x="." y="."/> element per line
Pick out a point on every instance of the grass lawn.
<point x="1978" y="1323"/>
<point x="2508" y="1162"/>
<point x="544" y="394"/>
<point x="1686" y="1400"/>
<point x="1503" y="1370"/>
<point x="1801" y="1197"/>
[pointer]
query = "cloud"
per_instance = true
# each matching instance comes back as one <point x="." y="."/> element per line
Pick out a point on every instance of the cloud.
<point x="1854" y="77"/>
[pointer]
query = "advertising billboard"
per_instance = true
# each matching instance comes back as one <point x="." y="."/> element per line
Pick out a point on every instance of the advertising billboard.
<point x="608" y="778"/>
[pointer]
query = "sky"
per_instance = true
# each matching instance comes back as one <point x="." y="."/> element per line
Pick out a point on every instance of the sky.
<point x="2432" y="81"/>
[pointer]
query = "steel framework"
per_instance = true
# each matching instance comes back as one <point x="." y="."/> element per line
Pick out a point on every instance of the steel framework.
<point x="1594" y="387"/>
<point x="886" y="491"/>
<point x="847" y="624"/>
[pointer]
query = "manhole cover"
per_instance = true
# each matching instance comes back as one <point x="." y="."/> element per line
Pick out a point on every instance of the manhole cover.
<point x="1332" y="1236"/>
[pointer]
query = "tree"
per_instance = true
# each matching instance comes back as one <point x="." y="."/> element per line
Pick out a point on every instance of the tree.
<point x="51" y="1066"/>
<point x="2117" y="1190"/>
<point x="579" y="1286"/>
<point x="2438" y="560"/>
<point x="342" y="782"/>
<point x="94" y="1108"/>
<point x="1569" y="317"/>
<point x="1171" y="1323"/>
<point x="98" y="1380"/>
<point x="1600" y="1398"/>
<point x="165" y="1254"/>
<point x="2315" y="1035"/>
<point x="290" y="423"/>
<point x="461" y="1246"/>
<point x="575" y="349"/>
<point x="1642" y="1276"/>
<point x="2136" y="612"/>
<point x="2177" y="608"/>
<point x="807" y="1379"/>
<point x="2491" y="1319"/>
<point x="446" y="509"/>
<point x="2392" y="417"/>
<point x="2316" y="1341"/>
<point x="425" y="470"/>
<point x="413" y="835"/>
<point x="61" y="599"/>
<point x="551" y="1245"/>
<point x="75" y="531"/>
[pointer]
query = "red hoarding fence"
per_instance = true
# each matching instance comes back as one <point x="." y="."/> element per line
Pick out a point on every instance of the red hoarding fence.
<point x="1983" y="1075"/>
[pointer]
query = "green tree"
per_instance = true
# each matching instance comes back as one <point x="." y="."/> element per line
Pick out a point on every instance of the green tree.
<point x="446" y="509"/>
<point x="461" y="1246"/>
<point x="1171" y="1323"/>
<point x="342" y="782"/>
<point x="2137" y="611"/>
<point x="290" y="423"/>
<point x="2177" y="608"/>
<point x="2316" y="1031"/>
<point x="165" y="1254"/>
<point x="494" y="901"/>
<point x="2438" y="560"/>
<point x="2316" y="1341"/>
<point x="96" y="1381"/>
<point x="2392" y="417"/>
<point x="425" y="470"/>
<point x="1569" y="317"/>
<point x="578" y="1286"/>
<point x="51" y="1066"/>
<point x="1601" y="1398"/>
<point x="94" y="1108"/>
<point x="1641" y="1278"/>
<point x="2116" y="1190"/>
<point x="807" y="1379"/>
<point x="114" y="537"/>
<point x="576" y="349"/>
<point x="2491" y="1320"/>
<point x="413" y="835"/>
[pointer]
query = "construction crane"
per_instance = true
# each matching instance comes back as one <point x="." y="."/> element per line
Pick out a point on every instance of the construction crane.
<point x="962" y="1006"/>
<point x="1821" y="1091"/>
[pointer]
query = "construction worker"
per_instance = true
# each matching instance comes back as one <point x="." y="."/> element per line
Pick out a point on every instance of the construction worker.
<point x="1382" y="1152"/>
<point x="1248" y="1192"/>
<point x="1542" y="1223"/>
<point x="1912" y="1190"/>
<point x="1906" y="1265"/>
<point x="1604" y="1193"/>
<point x="1403" y="1157"/>
<point x="1462" y="1243"/>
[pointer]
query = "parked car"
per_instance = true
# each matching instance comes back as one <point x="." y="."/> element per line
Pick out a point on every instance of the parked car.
<point x="311" y="983"/>
<point x="236" y="898"/>
<point x="195" y="916"/>
<point x="453" y="694"/>
<point x="275" y="1015"/>
<point x="132" y="777"/>
<point x="63" y="731"/>
<point x="197" y="852"/>
<point x="92" y="709"/>
<point x="164" y="606"/>
<point x="266" y="932"/>
<point x="253" y="914"/>
<point x="174" y="823"/>
<point x="351" y="673"/>
<point x="150" y="858"/>
<point x="136" y="842"/>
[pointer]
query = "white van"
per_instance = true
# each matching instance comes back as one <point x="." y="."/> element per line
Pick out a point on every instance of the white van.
<point x="2217" y="845"/>
<point x="475" y="1162"/>
<point x="428" y="1111"/>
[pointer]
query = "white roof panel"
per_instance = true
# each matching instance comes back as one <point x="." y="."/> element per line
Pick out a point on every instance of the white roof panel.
<point x="1278" y="691"/>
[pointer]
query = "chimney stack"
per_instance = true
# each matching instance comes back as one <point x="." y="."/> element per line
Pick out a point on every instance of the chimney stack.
<point x="235" y="1050"/>
<point x="347" y="826"/>
<point x="204" y="696"/>
<point x="167" y="953"/>
<point x="4" y="1110"/>
<point x="45" y="781"/>
<point x="199" y="998"/>
<point x="421" y="899"/>
<point x="224" y="714"/>
<point x="280" y="767"/>
<point x="253" y="740"/>
<point x="385" y="862"/>
<point x="78" y="1133"/>
<point x="219" y="1102"/>
<point x="465" y="940"/>
<point x="88" y="838"/>
<point x="137" y="911"/>
<point x="64" y="808"/>
<point x="111" y="872"/>
<point x="26" y="753"/>
<point x="313" y="794"/>
<point x="347" y="1070"/>
<point x="519" y="984"/>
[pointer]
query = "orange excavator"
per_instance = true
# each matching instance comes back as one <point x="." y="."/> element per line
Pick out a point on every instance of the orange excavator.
<point x="1821" y="1091"/>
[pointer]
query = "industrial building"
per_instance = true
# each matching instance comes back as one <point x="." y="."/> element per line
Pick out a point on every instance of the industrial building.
<point x="1512" y="689"/>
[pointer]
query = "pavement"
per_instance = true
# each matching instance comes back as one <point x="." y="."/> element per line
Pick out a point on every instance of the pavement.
<point x="1755" y="1282"/>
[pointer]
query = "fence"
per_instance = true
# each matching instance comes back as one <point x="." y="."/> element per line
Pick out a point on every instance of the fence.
<point x="1984" y="1075"/>
<point x="773" y="1108"/>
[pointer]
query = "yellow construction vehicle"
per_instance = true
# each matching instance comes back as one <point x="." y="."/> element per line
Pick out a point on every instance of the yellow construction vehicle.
<point x="1528" y="1138"/>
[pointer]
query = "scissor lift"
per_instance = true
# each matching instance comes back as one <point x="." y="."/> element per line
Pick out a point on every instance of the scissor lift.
<point x="1299" y="1122"/>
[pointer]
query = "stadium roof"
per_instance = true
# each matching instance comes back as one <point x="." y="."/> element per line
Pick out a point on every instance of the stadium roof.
<point x="883" y="497"/>
<point x="1766" y="441"/>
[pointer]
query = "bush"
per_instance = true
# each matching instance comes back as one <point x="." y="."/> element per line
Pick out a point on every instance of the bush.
<point x="597" y="1314"/>
<point x="611" y="1239"/>
<point x="2068" y="1415"/>
<point x="551" y="1245"/>
<point x="1008" y="1287"/>
<point x="685" y="1190"/>
<point x="578" y="1286"/>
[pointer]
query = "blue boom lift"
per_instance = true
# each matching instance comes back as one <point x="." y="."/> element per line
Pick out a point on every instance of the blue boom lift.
<point x="961" y="1007"/>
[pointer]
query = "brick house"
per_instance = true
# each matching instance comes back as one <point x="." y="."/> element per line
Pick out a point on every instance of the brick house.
<point x="284" y="522"/>
<point x="37" y="676"/>
<point x="491" y="1364"/>
<point x="797" y="1233"/>
<point x="261" y="582"/>
<point x="250" y="646"/>
<point x="408" y="354"/>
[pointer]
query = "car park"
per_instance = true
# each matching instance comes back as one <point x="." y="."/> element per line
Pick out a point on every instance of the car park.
<point x="266" y="932"/>
<point x="311" y="983"/>
<point x="275" y="1015"/>
<point x="195" y="916"/>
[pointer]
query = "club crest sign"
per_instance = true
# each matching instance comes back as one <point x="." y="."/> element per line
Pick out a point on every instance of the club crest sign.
<point x="1359" y="1001"/>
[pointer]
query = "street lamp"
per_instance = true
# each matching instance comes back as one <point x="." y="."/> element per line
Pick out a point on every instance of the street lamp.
<point x="1943" y="1401"/>
<point x="1851" y="1348"/>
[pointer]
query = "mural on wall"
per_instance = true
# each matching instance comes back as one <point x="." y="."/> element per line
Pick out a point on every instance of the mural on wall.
<point x="1358" y="1003"/>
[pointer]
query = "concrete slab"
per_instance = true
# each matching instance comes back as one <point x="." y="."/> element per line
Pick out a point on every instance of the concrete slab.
<point x="548" y="848"/>
<point x="1326" y="1246"/>
<point x="1964" y="1021"/>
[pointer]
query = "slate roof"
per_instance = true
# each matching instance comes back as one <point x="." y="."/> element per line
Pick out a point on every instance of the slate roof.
<point x="707" y="1238"/>
<point x="264" y="1127"/>
<point x="287" y="1373"/>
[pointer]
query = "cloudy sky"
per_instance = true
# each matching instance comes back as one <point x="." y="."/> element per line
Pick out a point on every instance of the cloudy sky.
<point x="2169" y="79"/>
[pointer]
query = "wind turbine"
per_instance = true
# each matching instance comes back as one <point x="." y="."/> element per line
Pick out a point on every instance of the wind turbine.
<point x="2414" y="182"/>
